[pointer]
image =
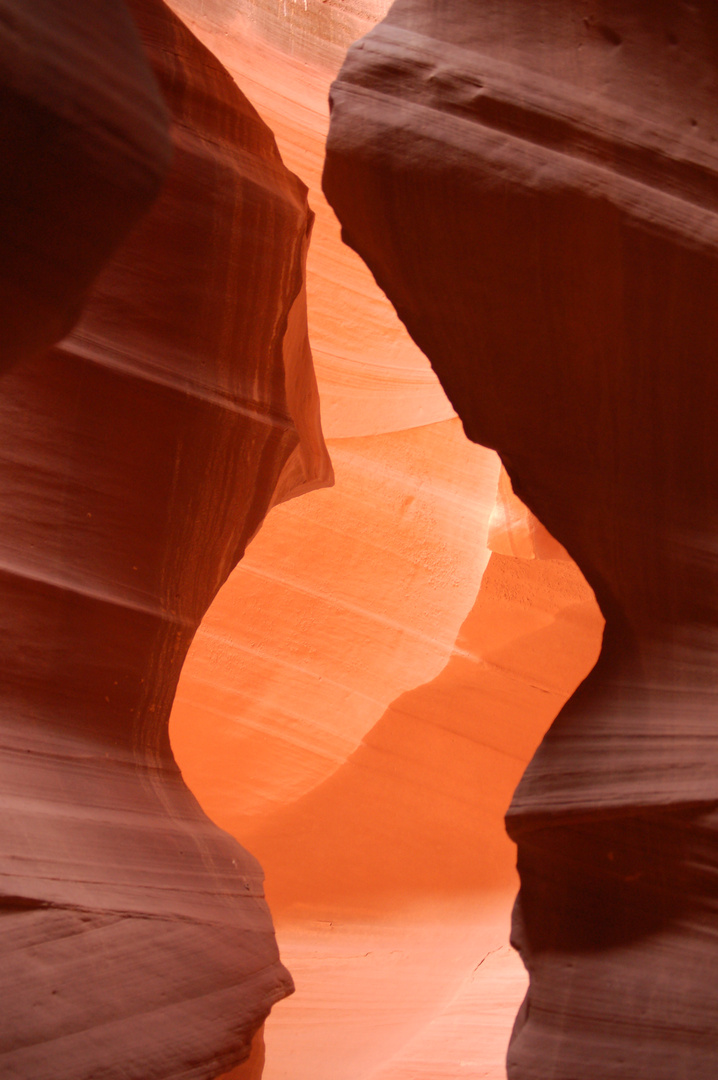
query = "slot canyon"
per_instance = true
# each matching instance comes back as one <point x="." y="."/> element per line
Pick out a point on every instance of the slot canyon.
<point x="357" y="547"/>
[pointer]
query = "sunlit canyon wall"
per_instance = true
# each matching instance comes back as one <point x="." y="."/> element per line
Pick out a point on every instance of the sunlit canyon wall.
<point x="364" y="694"/>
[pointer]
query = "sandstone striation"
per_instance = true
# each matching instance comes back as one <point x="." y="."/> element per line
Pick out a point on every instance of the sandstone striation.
<point x="138" y="458"/>
<point x="85" y="148"/>
<point x="372" y="377"/>
<point x="345" y="600"/>
<point x="533" y="185"/>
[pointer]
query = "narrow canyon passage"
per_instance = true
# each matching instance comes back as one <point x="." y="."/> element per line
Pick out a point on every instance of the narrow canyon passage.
<point x="391" y="880"/>
<point x="367" y="688"/>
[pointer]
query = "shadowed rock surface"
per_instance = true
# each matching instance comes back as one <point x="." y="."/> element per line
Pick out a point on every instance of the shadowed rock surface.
<point x="85" y="148"/>
<point x="533" y="185"/>
<point x="137" y="459"/>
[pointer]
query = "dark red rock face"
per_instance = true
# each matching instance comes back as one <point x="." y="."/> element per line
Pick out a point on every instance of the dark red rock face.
<point x="137" y="458"/>
<point x="533" y="185"/>
<point x="86" y="145"/>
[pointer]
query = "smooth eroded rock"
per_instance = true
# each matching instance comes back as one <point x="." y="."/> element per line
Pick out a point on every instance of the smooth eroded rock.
<point x="533" y="185"/>
<point x="138" y="458"/>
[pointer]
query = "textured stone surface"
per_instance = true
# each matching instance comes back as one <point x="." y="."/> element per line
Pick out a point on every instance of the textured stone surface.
<point x="138" y="458"/>
<point x="85" y="148"/>
<point x="346" y="599"/>
<point x="351" y="708"/>
<point x="534" y="187"/>
<point x="334" y="713"/>
<point x="372" y="378"/>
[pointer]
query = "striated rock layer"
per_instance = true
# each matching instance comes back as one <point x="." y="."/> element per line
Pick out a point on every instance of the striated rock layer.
<point x="138" y="458"/>
<point x="85" y="148"/>
<point x="372" y="377"/>
<point x="534" y="187"/>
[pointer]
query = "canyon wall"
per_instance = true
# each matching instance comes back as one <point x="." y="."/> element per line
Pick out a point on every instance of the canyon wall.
<point x="138" y="458"/>
<point x="533" y="185"/>
<point x="368" y="684"/>
<point x="86" y="147"/>
<point x="367" y="688"/>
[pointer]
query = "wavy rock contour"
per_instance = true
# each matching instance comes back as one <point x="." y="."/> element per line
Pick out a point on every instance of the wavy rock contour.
<point x="345" y="600"/>
<point x="138" y="458"/>
<point x="533" y="185"/>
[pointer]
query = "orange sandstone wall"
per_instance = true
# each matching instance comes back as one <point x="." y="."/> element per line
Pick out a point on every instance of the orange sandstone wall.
<point x="371" y="376"/>
<point x="391" y="880"/>
<point x="366" y="690"/>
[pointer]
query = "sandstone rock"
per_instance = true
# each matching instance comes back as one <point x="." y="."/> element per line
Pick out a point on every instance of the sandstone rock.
<point x="372" y="377"/>
<point x="392" y="881"/>
<point x="327" y="714"/>
<point x="534" y="187"/>
<point x="138" y="458"/>
<point x="514" y="530"/>
<point x="85" y="148"/>
<point x="345" y="600"/>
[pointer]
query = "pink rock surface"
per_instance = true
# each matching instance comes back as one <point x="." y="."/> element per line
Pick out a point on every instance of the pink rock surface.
<point x="417" y="810"/>
<point x="468" y="1037"/>
<point x="392" y="879"/>
<point x="367" y="686"/>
